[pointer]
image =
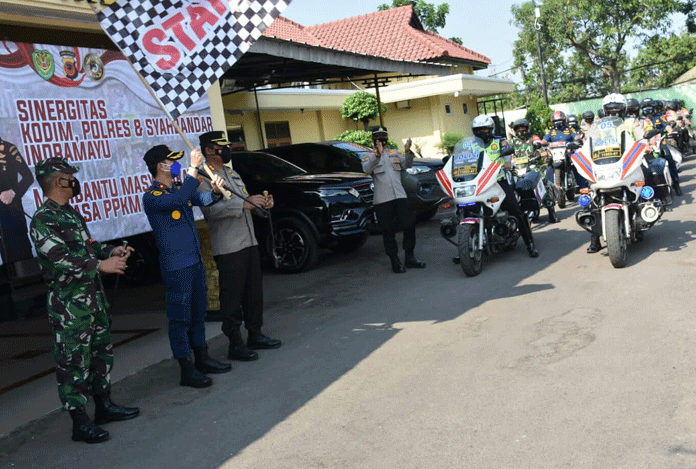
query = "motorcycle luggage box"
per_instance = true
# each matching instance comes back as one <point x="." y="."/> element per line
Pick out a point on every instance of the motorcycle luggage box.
<point x="528" y="182"/>
<point x="657" y="169"/>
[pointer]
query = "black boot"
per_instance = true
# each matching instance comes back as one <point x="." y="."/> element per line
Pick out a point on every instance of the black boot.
<point x="595" y="245"/>
<point x="205" y="364"/>
<point x="552" y="216"/>
<point x="532" y="250"/>
<point x="191" y="377"/>
<point x="258" y="341"/>
<point x="397" y="268"/>
<point x="676" y="187"/>
<point x="84" y="429"/>
<point x="412" y="262"/>
<point x="106" y="411"/>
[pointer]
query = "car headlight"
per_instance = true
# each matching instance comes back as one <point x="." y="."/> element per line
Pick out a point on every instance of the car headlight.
<point x="418" y="170"/>
<point x="608" y="175"/>
<point x="466" y="191"/>
<point x="338" y="192"/>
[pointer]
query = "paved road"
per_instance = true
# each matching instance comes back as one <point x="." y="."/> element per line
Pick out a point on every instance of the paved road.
<point x="559" y="361"/>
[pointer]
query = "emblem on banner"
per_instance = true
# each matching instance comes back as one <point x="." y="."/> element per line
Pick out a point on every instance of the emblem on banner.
<point x="43" y="63"/>
<point x="69" y="65"/>
<point x="94" y="67"/>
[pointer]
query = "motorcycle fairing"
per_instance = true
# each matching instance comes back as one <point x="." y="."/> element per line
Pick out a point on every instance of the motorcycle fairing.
<point x="445" y="182"/>
<point x="487" y="178"/>
<point x="583" y="165"/>
<point x="632" y="157"/>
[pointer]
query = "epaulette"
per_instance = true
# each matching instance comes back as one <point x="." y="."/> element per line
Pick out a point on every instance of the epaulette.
<point x="155" y="192"/>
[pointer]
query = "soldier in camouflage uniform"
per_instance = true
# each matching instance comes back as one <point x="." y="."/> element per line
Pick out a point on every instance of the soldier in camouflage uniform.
<point x="71" y="263"/>
<point x="525" y="151"/>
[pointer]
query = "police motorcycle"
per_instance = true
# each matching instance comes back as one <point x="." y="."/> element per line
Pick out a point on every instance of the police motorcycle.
<point x="479" y="226"/>
<point x="534" y="192"/>
<point x="618" y="205"/>
<point x="563" y="173"/>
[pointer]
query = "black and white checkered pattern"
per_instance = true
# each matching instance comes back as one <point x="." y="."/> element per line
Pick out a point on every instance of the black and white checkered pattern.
<point x="125" y="20"/>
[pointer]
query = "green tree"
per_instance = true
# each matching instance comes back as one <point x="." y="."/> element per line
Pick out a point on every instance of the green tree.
<point x="362" y="137"/>
<point x="539" y="116"/>
<point x="361" y="106"/>
<point x="449" y="140"/>
<point x="432" y="17"/>
<point x="584" y="42"/>
<point x="662" y="61"/>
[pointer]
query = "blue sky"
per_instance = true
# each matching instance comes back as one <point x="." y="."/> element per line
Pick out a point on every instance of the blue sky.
<point x="484" y="28"/>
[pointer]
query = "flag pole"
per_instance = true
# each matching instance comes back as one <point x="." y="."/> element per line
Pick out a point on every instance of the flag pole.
<point x="172" y="121"/>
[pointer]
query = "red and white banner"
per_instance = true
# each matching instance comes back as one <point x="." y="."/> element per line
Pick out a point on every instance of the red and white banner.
<point x="88" y="106"/>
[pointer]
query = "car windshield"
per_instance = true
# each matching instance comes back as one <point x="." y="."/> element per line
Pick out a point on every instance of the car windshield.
<point x="263" y="167"/>
<point x="353" y="148"/>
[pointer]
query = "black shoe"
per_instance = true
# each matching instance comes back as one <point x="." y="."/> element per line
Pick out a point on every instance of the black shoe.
<point x="594" y="246"/>
<point x="84" y="429"/>
<point x="456" y="260"/>
<point x="191" y="377"/>
<point x="677" y="189"/>
<point x="241" y="353"/>
<point x="532" y="250"/>
<point x="552" y="217"/>
<point x="397" y="268"/>
<point x="413" y="263"/>
<point x="205" y="364"/>
<point x="106" y="411"/>
<point x="260" y="341"/>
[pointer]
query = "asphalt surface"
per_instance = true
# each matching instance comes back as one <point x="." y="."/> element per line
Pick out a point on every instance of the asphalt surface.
<point x="559" y="361"/>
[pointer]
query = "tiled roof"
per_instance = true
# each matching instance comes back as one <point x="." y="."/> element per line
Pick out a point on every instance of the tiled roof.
<point x="396" y="34"/>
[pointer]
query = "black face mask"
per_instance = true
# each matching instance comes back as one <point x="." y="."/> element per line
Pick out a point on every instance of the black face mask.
<point x="73" y="184"/>
<point x="226" y="154"/>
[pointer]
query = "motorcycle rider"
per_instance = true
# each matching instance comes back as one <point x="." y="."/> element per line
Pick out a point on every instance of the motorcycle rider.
<point x="524" y="146"/>
<point x="632" y="108"/>
<point x="483" y="127"/>
<point x="562" y="133"/>
<point x="574" y="124"/>
<point x="654" y="120"/>
<point x="587" y="121"/>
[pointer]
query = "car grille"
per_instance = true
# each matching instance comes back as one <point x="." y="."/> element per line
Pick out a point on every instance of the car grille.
<point x="366" y="190"/>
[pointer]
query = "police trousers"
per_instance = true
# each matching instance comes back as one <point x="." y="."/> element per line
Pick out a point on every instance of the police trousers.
<point x="241" y="292"/>
<point x="392" y="217"/>
<point x="187" y="304"/>
<point x="83" y="355"/>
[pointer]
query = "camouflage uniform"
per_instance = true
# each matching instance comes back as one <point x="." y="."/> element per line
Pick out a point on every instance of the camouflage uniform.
<point x="524" y="149"/>
<point x="77" y="306"/>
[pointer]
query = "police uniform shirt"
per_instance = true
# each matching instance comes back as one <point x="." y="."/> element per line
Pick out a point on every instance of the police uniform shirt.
<point x="231" y="227"/>
<point x="565" y="135"/>
<point x="386" y="174"/>
<point x="169" y="210"/>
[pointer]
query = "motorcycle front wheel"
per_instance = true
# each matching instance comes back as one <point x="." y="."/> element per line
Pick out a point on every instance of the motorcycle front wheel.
<point x="617" y="243"/>
<point x="470" y="256"/>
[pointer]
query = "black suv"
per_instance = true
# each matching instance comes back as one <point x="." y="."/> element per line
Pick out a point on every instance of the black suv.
<point x="420" y="183"/>
<point x="311" y="211"/>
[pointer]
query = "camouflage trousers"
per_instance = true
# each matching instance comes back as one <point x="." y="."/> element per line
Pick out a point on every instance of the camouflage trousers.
<point x="84" y="356"/>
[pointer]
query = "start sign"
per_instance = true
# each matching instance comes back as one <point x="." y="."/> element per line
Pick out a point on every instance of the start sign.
<point x="181" y="32"/>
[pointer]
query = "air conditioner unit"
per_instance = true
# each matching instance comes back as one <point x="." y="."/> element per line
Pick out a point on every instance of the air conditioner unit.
<point x="403" y="104"/>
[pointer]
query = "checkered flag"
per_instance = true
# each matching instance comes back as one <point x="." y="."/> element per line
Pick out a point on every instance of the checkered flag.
<point x="181" y="47"/>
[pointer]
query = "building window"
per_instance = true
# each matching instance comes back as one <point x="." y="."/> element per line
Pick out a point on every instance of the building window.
<point x="448" y="109"/>
<point x="235" y="134"/>
<point x="277" y="134"/>
<point x="465" y="108"/>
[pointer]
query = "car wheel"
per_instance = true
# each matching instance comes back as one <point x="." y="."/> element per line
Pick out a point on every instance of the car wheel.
<point x="295" y="246"/>
<point x="351" y="244"/>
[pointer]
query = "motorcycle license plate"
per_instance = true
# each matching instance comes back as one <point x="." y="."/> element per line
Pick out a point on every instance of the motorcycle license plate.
<point x="464" y="170"/>
<point x="521" y="160"/>
<point x="540" y="191"/>
<point x="613" y="152"/>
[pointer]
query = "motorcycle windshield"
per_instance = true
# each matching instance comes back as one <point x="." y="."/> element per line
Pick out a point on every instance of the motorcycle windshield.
<point x="607" y="140"/>
<point x="467" y="159"/>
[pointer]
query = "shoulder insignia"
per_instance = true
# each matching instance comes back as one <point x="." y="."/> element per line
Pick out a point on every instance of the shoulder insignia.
<point x="366" y="157"/>
<point x="494" y="146"/>
<point x="200" y="178"/>
<point x="156" y="193"/>
<point x="176" y="214"/>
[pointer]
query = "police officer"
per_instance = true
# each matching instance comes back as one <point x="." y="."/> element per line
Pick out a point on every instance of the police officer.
<point x="168" y="208"/>
<point x="236" y="253"/>
<point x="15" y="179"/>
<point x="71" y="263"/>
<point x="587" y="121"/>
<point x="524" y="146"/>
<point x="562" y="133"/>
<point x="391" y="205"/>
<point x="654" y="120"/>
<point x="498" y="150"/>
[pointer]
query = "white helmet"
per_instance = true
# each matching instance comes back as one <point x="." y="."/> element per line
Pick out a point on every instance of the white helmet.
<point x="614" y="104"/>
<point x="483" y="128"/>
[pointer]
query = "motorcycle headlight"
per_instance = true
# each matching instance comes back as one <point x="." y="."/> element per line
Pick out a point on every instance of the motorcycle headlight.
<point x="608" y="175"/>
<point x="466" y="191"/>
<point x="418" y="170"/>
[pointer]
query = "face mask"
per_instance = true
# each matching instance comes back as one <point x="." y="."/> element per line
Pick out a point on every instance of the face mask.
<point x="174" y="168"/>
<point x="225" y="154"/>
<point x="73" y="184"/>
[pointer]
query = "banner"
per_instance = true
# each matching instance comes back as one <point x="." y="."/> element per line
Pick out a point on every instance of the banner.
<point x="180" y="47"/>
<point x="88" y="106"/>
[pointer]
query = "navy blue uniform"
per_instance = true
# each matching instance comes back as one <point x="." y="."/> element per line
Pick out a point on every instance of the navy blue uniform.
<point x="170" y="213"/>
